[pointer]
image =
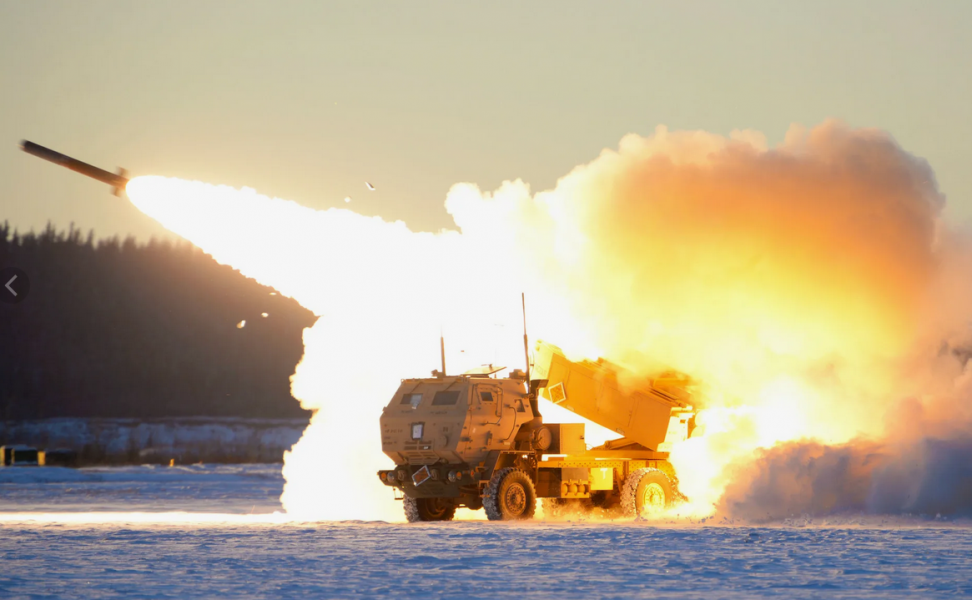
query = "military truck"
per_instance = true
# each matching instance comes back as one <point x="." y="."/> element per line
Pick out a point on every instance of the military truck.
<point x="478" y="440"/>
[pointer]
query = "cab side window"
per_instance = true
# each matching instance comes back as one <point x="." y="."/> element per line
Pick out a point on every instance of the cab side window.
<point x="486" y="396"/>
<point x="445" y="398"/>
<point x="413" y="399"/>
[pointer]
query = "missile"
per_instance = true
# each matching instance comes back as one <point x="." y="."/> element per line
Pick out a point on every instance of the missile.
<point x="117" y="181"/>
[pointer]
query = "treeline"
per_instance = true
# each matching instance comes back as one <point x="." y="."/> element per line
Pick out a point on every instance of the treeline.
<point x="122" y="329"/>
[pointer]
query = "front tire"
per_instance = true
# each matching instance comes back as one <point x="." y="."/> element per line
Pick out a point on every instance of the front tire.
<point x="510" y="496"/>
<point x="429" y="509"/>
<point x="647" y="492"/>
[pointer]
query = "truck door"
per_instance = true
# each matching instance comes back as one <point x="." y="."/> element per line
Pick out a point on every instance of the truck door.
<point x="490" y="398"/>
<point x="500" y="419"/>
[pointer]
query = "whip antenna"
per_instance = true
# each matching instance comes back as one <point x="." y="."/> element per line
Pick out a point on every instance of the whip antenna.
<point x="442" y="350"/>
<point x="526" y="340"/>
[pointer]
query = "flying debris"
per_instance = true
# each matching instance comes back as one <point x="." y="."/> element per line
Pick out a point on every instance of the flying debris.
<point x="118" y="181"/>
<point x="241" y="324"/>
<point x="347" y="199"/>
<point x="369" y="186"/>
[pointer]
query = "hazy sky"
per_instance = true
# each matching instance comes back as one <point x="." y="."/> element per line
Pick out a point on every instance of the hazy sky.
<point x="307" y="100"/>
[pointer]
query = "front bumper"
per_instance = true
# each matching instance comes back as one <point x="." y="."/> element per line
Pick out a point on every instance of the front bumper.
<point x="430" y="481"/>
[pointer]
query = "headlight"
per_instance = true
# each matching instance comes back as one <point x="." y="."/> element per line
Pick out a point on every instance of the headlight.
<point x="390" y="476"/>
<point x="453" y="476"/>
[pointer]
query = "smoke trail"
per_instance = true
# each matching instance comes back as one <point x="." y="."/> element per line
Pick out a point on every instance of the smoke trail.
<point x="382" y="293"/>
<point x="811" y="285"/>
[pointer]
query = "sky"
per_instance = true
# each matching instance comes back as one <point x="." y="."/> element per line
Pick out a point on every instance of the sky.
<point x="308" y="100"/>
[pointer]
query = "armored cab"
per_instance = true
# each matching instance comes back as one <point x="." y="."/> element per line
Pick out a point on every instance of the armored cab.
<point x="454" y="421"/>
<point x="445" y="434"/>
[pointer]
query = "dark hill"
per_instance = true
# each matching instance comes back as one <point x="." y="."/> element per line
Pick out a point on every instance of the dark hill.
<point x="121" y="329"/>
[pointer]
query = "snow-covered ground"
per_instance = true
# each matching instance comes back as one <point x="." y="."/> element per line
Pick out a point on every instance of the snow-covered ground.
<point x="72" y="534"/>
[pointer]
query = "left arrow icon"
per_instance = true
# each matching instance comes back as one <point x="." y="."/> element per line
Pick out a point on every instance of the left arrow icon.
<point x="16" y="285"/>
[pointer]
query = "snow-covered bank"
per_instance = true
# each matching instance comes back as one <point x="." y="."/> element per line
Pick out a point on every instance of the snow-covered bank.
<point x="132" y="441"/>
<point x="240" y="489"/>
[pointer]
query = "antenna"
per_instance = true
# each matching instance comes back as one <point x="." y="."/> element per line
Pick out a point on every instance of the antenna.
<point x="526" y="340"/>
<point x="442" y="350"/>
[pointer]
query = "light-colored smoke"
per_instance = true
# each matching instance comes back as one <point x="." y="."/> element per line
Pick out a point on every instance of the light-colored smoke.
<point x="383" y="294"/>
<point x="810" y="284"/>
<point x="921" y="465"/>
<point x="931" y="476"/>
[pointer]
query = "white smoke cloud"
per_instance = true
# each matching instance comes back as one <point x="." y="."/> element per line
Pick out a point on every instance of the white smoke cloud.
<point x="806" y="283"/>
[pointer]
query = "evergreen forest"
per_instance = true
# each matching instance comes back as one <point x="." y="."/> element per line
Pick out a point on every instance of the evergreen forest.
<point x="120" y="329"/>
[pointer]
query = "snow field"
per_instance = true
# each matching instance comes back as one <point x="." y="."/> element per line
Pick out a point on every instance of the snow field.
<point x="86" y="542"/>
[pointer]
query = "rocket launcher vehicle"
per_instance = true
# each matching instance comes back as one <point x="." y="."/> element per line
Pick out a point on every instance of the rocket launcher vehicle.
<point x="479" y="441"/>
<point x="117" y="181"/>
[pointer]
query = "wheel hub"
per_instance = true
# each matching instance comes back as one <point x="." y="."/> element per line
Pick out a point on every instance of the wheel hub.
<point x="515" y="498"/>
<point x="653" y="498"/>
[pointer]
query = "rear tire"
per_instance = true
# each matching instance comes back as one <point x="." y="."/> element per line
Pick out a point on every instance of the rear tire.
<point x="429" y="509"/>
<point x="647" y="492"/>
<point x="510" y="496"/>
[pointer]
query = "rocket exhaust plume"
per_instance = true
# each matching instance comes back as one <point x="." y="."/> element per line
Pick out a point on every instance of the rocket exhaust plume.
<point x="812" y="285"/>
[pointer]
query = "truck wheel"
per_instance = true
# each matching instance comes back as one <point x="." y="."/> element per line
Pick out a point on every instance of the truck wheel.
<point x="646" y="491"/>
<point x="429" y="509"/>
<point x="510" y="496"/>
